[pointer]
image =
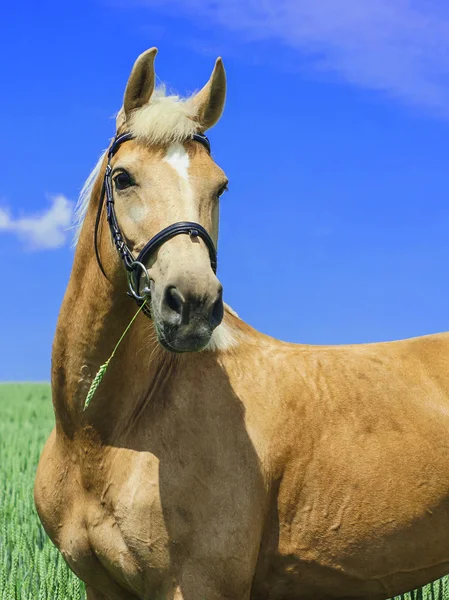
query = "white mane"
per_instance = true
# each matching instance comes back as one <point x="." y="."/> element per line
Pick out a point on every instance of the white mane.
<point x="84" y="198"/>
<point x="164" y="120"/>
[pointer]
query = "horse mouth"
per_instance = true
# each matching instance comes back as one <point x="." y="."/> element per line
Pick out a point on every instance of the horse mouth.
<point x="190" y="331"/>
<point x="178" y="341"/>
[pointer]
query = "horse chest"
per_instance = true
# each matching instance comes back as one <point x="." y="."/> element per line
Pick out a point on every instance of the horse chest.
<point x="149" y="521"/>
<point x="125" y="523"/>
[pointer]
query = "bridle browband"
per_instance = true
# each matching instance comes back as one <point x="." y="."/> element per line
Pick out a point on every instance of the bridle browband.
<point x="135" y="267"/>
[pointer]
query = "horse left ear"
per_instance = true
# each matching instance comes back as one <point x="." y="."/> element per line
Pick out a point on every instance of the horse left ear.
<point x="140" y="84"/>
<point x="211" y="99"/>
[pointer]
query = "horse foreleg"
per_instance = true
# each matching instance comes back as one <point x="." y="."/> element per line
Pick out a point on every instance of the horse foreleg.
<point x="92" y="594"/>
<point x="207" y="593"/>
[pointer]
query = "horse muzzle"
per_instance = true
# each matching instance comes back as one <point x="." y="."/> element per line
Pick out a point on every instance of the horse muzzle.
<point x="185" y="321"/>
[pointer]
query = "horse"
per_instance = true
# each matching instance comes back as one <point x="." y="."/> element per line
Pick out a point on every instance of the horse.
<point x="215" y="462"/>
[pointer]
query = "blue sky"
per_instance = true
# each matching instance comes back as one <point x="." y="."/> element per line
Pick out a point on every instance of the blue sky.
<point x="335" y="139"/>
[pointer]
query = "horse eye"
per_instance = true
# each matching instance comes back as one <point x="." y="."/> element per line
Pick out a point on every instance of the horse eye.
<point x="222" y="190"/>
<point x="122" y="180"/>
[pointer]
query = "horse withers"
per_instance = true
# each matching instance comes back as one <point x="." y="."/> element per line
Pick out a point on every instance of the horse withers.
<point x="215" y="462"/>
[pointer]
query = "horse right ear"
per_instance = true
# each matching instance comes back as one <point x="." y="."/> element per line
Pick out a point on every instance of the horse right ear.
<point x="140" y="84"/>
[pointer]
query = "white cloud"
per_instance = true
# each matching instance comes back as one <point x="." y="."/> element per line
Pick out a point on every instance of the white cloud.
<point x="43" y="231"/>
<point x="396" y="46"/>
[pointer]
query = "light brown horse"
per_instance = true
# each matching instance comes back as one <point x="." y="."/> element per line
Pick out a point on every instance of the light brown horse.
<point x="215" y="462"/>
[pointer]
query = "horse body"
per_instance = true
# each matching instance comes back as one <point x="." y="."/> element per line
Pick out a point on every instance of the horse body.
<point x="253" y="469"/>
<point x="266" y="471"/>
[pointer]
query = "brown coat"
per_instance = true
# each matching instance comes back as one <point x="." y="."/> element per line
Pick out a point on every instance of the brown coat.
<point x="254" y="469"/>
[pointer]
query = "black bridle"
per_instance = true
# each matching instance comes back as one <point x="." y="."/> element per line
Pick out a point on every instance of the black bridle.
<point x="135" y="267"/>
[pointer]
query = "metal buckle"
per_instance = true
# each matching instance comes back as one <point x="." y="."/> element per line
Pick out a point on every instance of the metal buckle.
<point x="133" y="281"/>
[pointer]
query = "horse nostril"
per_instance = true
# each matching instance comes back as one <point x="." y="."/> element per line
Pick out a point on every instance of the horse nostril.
<point x="217" y="312"/>
<point x="174" y="300"/>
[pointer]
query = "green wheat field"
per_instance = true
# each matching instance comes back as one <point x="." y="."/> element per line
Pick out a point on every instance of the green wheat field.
<point x="30" y="566"/>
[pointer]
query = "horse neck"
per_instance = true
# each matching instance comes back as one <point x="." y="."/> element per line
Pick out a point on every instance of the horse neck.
<point x="94" y="314"/>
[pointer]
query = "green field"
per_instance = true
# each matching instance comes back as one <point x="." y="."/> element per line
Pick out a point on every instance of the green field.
<point x="30" y="566"/>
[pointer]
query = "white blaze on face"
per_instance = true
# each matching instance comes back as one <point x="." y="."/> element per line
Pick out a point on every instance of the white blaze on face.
<point x="178" y="158"/>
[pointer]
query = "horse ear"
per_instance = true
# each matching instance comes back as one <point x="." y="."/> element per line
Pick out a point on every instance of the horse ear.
<point x="140" y="84"/>
<point x="211" y="99"/>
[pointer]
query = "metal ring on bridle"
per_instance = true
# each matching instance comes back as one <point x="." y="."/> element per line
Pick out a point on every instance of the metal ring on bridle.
<point x="134" y="281"/>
